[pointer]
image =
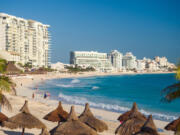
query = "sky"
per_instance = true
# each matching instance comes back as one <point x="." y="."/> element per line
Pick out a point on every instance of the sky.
<point x="147" y="28"/>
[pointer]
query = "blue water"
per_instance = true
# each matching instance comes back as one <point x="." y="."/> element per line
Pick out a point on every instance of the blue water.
<point x="117" y="93"/>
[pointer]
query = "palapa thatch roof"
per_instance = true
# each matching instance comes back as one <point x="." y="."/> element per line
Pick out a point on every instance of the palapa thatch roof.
<point x="24" y="120"/>
<point x="173" y="125"/>
<point x="72" y="126"/>
<point x="3" y="117"/>
<point x="88" y="118"/>
<point x="57" y="115"/>
<point x="125" y="116"/>
<point x="44" y="132"/>
<point x="132" y="125"/>
<point x="148" y="128"/>
<point x="11" y="68"/>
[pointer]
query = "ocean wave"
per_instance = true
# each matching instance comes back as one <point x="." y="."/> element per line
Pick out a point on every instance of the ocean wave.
<point x="95" y="88"/>
<point x="64" y="85"/>
<point x="115" y="108"/>
<point x="75" y="81"/>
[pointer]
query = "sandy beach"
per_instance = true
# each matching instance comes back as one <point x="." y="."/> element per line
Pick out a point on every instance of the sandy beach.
<point x="39" y="107"/>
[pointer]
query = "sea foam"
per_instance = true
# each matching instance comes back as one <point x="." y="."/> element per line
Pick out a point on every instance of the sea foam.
<point x="110" y="107"/>
<point x="75" y="81"/>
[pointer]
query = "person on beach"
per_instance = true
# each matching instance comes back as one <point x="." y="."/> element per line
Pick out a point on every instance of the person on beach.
<point x="45" y="95"/>
<point x="33" y="95"/>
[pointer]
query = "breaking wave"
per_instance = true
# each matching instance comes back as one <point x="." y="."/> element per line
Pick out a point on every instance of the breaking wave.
<point x="75" y="81"/>
<point x="110" y="107"/>
<point x="95" y="88"/>
<point x="64" y="85"/>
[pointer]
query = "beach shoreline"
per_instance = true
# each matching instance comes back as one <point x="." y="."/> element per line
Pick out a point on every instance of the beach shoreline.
<point x="25" y="85"/>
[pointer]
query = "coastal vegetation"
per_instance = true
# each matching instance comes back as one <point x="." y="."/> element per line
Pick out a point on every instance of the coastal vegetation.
<point x="172" y="92"/>
<point x="6" y="85"/>
<point x="77" y="69"/>
<point x="3" y="65"/>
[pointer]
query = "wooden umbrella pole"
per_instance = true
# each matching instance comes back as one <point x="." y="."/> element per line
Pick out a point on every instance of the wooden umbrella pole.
<point x="23" y="131"/>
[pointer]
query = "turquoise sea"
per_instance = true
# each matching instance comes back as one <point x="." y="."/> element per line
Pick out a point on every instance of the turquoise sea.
<point x="117" y="93"/>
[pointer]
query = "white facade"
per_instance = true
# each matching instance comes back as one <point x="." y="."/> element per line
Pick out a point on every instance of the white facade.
<point x="10" y="56"/>
<point x="141" y="65"/>
<point x="161" y="60"/>
<point x="152" y="66"/>
<point x="28" y="38"/>
<point x="97" y="60"/>
<point x="116" y="59"/>
<point x="58" y="66"/>
<point x="129" y="61"/>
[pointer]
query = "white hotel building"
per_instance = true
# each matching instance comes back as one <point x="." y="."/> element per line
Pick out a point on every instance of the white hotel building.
<point x="24" y="41"/>
<point x="97" y="60"/>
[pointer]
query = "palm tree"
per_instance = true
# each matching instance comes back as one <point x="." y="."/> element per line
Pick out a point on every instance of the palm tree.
<point x="172" y="92"/>
<point x="3" y="65"/>
<point x="6" y="85"/>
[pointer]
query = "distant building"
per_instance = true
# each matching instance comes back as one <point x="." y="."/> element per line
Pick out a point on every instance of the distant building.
<point x="97" y="60"/>
<point x="116" y="59"/>
<point x="27" y="39"/>
<point x="152" y="66"/>
<point x="57" y="66"/>
<point x="129" y="61"/>
<point x="162" y="61"/>
<point x="141" y="65"/>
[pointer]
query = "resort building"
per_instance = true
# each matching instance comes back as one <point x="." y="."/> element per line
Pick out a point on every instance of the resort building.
<point x="141" y="65"/>
<point x="28" y="40"/>
<point x="162" y="61"/>
<point x="129" y="61"/>
<point x="116" y="60"/>
<point x="97" y="60"/>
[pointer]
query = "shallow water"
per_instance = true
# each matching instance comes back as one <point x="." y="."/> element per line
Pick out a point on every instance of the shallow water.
<point x="117" y="93"/>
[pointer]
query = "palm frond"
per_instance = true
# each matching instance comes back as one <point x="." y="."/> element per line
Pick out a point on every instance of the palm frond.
<point x="14" y="91"/>
<point x="178" y="73"/>
<point x="5" y="86"/>
<point x="171" y="92"/>
<point x="4" y="102"/>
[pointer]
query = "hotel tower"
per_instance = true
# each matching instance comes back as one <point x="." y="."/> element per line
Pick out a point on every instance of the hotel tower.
<point x="24" y="41"/>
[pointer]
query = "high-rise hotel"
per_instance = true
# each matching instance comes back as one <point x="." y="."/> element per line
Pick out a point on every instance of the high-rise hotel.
<point x="24" y="41"/>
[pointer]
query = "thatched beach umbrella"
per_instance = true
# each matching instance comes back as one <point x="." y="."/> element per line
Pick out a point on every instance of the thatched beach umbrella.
<point x="12" y="69"/>
<point x="3" y="117"/>
<point x="72" y="126"/>
<point x="132" y="125"/>
<point x="174" y="125"/>
<point x="149" y="128"/>
<point x="24" y="120"/>
<point x="125" y="116"/>
<point x="58" y="115"/>
<point x="88" y="118"/>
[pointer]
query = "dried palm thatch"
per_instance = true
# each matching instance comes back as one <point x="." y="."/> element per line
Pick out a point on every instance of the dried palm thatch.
<point x="3" y="117"/>
<point x="174" y="125"/>
<point x="12" y="69"/>
<point x="57" y="115"/>
<point x="126" y="115"/>
<point x="149" y="128"/>
<point x="24" y="120"/>
<point x="73" y="126"/>
<point x="44" y="132"/>
<point x="132" y="125"/>
<point x="88" y="118"/>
